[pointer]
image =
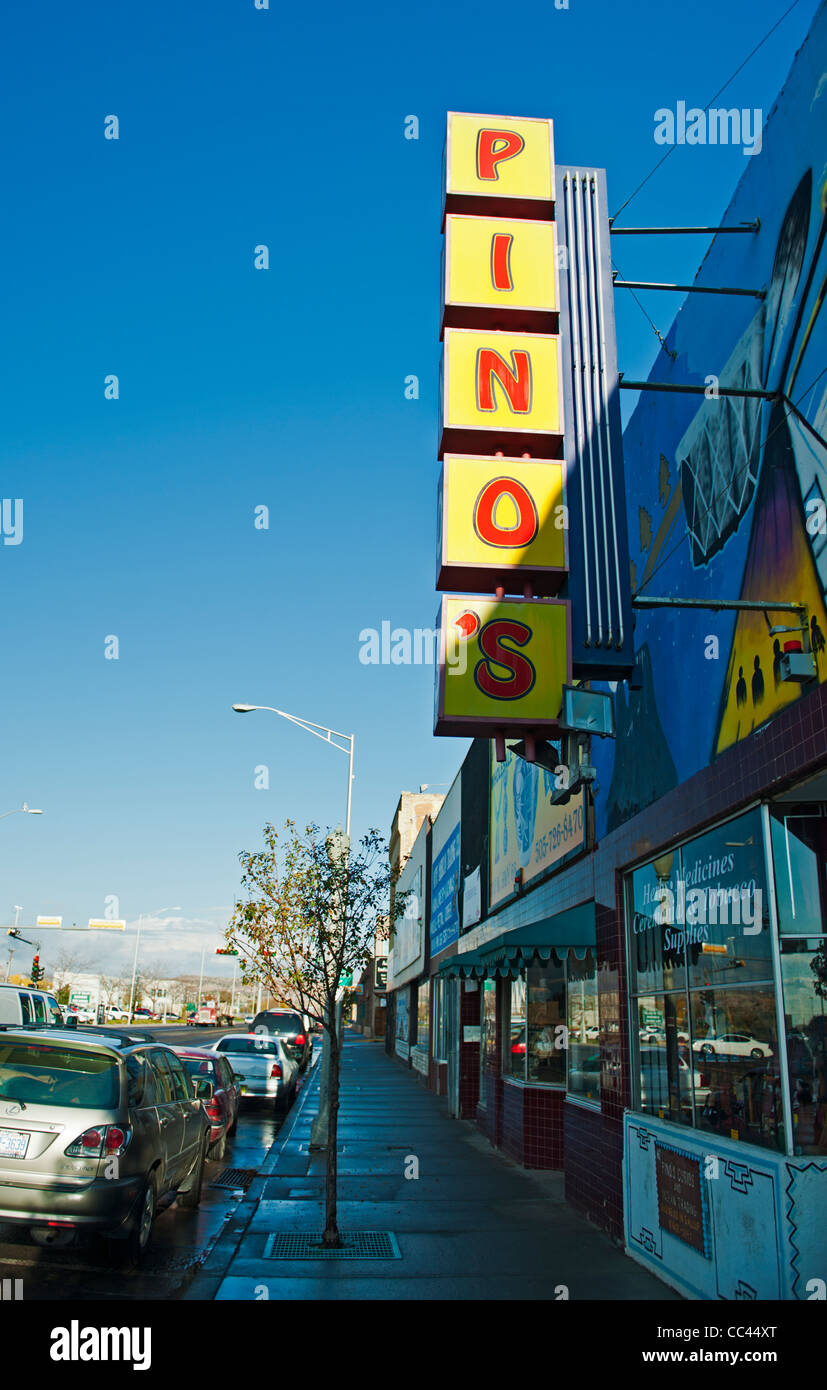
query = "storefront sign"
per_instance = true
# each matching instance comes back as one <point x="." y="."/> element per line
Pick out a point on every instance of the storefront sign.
<point x="528" y="835"/>
<point x="499" y="164"/>
<point x="506" y="264"/>
<point x="509" y="665"/>
<point x="682" y="1203"/>
<point x="445" y="894"/>
<point x="503" y="522"/>
<point x="501" y="386"/>
<point x="471" y="899"/>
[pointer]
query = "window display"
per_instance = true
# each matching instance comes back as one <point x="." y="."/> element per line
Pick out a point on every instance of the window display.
<point x="583" y="1029"/>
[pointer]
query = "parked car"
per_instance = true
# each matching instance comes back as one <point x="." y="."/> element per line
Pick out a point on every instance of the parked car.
<point x="72" y="1102"/>
<point x="117" y="1014"/>
<point x="143" y="1013"/>
<point x="21" y="1006"/>
<point x="224" y="1104"/>
<point x="288" y="1025"/>
<point x="263" y="1065"/>
<point x="732" y="1045"/>
<point x="81" y="1013"/>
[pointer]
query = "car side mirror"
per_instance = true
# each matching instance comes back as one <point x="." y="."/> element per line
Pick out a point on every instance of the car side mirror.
<point x="237" y="1076"/>
<point x="72" y="1021"/>
<point x="204" y="1089"/>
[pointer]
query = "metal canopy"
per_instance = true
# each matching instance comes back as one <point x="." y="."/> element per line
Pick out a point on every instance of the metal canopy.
<point x="511" y="951"/>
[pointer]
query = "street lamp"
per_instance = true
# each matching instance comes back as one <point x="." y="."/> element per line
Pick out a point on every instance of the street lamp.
<point x="320" y="731"/>
<point x="157" y="913"/>
<point x="20" y="810"/>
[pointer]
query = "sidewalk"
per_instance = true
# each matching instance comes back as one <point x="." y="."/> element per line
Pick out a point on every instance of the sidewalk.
<point x="473" y="1225"/>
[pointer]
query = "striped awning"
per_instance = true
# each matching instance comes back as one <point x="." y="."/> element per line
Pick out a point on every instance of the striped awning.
<point x="511" y="951"/>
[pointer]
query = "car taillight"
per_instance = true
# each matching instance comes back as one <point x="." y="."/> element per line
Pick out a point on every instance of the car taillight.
<point x="213" y="1109"/>
<point x="518" y="1047"/>
<point x="94" y="1143"/>
<point x="300" y="1040"/>
<point x="275" y="1070"/>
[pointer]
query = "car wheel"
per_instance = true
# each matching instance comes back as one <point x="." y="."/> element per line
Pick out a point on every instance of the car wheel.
<point x="217" y="1150"/>
<point x="192" y="1197"/>
<point x="132" y="1250"/>
<point x="708" y="1050"/>
<point x="756" y="1052"/>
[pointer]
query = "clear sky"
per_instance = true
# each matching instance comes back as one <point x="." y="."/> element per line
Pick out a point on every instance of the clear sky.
<point x="284" y="127"/>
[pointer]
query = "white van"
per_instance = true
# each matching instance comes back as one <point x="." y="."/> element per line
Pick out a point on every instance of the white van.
<point x="24" y="1006"/>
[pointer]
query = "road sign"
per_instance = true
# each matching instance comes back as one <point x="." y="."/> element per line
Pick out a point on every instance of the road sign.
<point x="105" y="923"/>
<point x="49" y="921"/>
<point x="345" y="981"/>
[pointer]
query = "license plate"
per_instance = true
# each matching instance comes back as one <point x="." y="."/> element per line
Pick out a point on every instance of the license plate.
<point x="244" y="1090"/>
<point x="13" y="1143"/>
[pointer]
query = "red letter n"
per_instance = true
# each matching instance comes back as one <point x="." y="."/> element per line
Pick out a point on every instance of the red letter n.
<point x="515" y="380"/>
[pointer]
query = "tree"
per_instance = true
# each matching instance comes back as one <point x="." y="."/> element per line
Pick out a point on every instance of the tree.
<point x="307" y="919"/>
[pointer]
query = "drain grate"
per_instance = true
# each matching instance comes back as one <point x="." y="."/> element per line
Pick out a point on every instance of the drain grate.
<point x="235" y="1177"/>
<point x="306" y="1245"/>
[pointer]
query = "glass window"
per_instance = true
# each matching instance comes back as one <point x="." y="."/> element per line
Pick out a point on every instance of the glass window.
<point x="26" y="1008"/>
<point x="736" y="1065"/>
<point x="39" y="1009"/>
<point x="40" y="1074"/>
<point x="54" y="1010"/>
<point x="181" y="1087"/>
<point x="583" y="1031"/>
<point x="799" y="852"/>
<point x="546" y="1024"/>
<point x="422" y="1004"/>
<point x="258" y="1046"/>
<point x="664" y="1057"/>
<point x="804" y="977"/>
<point x="488" y="1024"/>
<point x="440" y="1033"/>
<point x="515" y="1064"/>
<point x="724" y="905"/>
<point x="140" y="1084"/>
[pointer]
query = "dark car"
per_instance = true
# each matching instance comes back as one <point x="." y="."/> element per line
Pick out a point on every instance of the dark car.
<point x="223" y="1105"/>
<point x="287" y="1025"/>
<point x="96" y="1132"/>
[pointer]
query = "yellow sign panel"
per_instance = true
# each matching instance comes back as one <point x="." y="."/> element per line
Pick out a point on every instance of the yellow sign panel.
<point x="500" y="263"/>
<point x="49" y="921"/>
<point x="497" y="384"/>
<point x="503" y="664"/>
<point x="505" y="159"/>
<point x="503" y="521"/>
<point x="527" y="834"/>
<point x="100" y="923"/>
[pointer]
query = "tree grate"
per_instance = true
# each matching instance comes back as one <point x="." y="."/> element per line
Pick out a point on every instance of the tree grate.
<point x="235" y="1177"/>
<point x="307" y="1245"/>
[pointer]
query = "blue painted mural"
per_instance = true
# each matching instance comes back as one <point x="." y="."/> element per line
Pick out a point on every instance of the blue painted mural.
<point x="724" y="495"/>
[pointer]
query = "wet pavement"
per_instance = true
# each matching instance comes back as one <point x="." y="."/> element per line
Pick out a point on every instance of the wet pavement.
<point x="181" y="1239"/>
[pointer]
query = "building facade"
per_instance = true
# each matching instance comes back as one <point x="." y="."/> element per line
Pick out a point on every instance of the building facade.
<point x="630" y="986"/>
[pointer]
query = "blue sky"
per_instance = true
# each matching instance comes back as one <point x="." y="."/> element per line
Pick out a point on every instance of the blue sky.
<point x="238" y="388"/>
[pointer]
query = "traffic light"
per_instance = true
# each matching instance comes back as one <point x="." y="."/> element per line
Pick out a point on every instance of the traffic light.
<point x="225" y="951"/>
<point x="38" y="971"/>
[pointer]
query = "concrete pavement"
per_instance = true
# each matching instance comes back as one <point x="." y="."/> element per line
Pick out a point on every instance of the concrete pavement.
<point x="472" y="1225"/>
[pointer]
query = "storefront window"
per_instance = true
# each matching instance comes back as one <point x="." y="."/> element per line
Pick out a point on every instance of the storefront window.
<point x="703" y="1011"/>
<point x="799" y="851"/>
<point x="402" y="1025"/>
<point x="546" y="1024"/>
<point x="488" y="1024"/>
<point x="583" y="1030"/>
<point x="516" y="1039"/>
<point x="804" y="976"/>
<point x="735" y="1057"/>
<point x="422" y="1002"/>
<point x="440" y="1020"/>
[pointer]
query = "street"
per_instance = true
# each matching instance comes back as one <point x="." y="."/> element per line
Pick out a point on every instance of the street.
<point x="181" y="1239"/>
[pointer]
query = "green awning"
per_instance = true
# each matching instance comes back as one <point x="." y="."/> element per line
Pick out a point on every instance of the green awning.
<point x="468" y="964"/>
<point x="573" y="930"/>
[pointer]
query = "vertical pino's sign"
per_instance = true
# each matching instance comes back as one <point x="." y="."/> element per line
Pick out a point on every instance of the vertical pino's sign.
<point x="502" y="493"/>
<point x="531" y="533"/>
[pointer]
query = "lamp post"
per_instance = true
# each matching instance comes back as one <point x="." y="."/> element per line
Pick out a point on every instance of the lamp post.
<point x="319" y="731"/>
<point x="21" y="810"/>
<point x="157" y="913"/>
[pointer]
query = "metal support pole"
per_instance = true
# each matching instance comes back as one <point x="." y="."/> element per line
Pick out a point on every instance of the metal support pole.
<point x="134" y="968"/>
<point x="683" y="231"/>
<point x="349" y="785"/>
<point x="684" y="388"/>
<point x="686" y="289"/>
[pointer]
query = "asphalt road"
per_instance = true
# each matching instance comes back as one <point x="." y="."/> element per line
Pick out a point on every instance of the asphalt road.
<point x="181" y="1239"/>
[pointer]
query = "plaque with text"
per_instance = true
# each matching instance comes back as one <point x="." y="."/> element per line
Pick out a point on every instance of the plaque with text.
<point x="682" y="1204"/>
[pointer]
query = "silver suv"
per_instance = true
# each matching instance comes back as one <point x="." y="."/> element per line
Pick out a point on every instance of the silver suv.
<point x="96" y="1131"/>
